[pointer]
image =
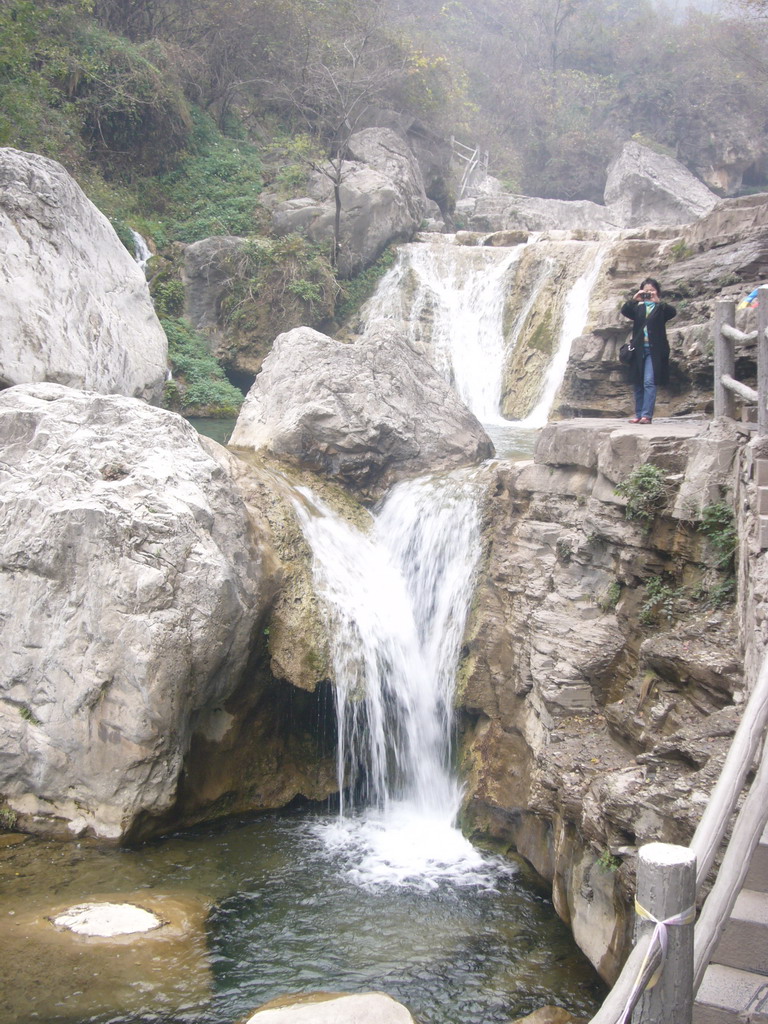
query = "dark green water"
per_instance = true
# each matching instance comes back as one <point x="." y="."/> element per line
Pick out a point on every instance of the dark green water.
<point x="280" y="912"/>
<point x="220" y="430"/>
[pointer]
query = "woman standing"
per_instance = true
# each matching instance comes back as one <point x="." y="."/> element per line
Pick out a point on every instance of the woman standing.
<point x="650" y="357"/>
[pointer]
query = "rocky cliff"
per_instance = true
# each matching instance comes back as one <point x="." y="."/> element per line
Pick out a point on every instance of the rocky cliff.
<point x="605" y="657"/>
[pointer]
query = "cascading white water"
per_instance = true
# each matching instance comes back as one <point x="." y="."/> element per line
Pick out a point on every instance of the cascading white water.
<point x="396" y="602"/>
<point x="142" y="254"/>
<point x="457" y="306"/>
<point x="452" y="298"/>
<point x="574" y="318"/>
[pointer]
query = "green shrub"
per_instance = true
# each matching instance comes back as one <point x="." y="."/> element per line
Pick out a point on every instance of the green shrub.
<point x="610" y="598"/>
<point x="200" y="386"/>
<point x="646" y="492"/>
<point x="214" y="190"/>
<point x="716" y="522"/>
<point x="359" y="289"/>
<point x="168" y="297"/>
<point x="131" y="103"/>
<point x="660" y="600"/>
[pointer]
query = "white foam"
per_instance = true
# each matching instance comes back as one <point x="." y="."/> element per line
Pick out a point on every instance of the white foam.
<point x="403" y="846"/>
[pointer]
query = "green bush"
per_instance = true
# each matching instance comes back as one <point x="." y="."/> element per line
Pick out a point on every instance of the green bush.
<point x="200" y="386"/>
<point x="214" y="190"/>
<point x="660" y="600"/>
<point x="646" y="492"/>
<point x="716" y="522"/>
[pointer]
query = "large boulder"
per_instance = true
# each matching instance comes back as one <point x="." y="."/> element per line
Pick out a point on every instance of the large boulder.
<point x="131" y="583"/>
<point x="382" y="200"/>
<point x="366" y="414"/>
<point x="76" y="307"/>
<point x="505" y="212"/>
<point x="644" y="187"/>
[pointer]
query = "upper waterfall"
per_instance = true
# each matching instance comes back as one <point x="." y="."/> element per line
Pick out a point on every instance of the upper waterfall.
<point x="497" y="322"/>
<point x="452" y="299"/>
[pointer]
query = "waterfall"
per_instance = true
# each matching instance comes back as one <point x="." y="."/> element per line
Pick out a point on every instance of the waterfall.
<point x="575" y="318"/>
<point x="396" y="601"/>
<point x="141" y="251"/>
<point x="454" y="301"/>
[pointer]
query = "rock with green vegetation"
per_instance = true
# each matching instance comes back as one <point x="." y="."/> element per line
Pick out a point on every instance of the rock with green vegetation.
<point x="76" y="307"/>
<point x="240" y="293"/>
<point x="363" y="414"/>
<point x="382" y="201"/>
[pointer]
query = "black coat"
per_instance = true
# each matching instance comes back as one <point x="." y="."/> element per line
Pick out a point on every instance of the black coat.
<point x="657" y="337"/>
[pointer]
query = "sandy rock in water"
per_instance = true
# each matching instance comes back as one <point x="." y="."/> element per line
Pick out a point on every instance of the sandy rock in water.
<point x="76" y="306"/>
<point x="366" y="414"/>
<point x="332" y="1008"/>
<point x="130" y="580"/>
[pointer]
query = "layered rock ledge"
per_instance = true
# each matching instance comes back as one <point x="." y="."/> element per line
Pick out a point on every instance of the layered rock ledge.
<point x="604" y="674"/>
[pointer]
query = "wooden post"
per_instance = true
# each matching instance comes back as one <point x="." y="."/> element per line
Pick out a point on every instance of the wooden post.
<point x="666" y="888"/>
<point x="762" y="361"/>
<point x="725" y="313"/>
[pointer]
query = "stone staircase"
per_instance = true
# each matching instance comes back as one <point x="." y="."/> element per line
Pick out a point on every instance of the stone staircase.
<point x="735" y="985"/>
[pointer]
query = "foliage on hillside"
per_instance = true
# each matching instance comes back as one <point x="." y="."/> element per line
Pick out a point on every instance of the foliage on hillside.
<point x="173" y="114"/>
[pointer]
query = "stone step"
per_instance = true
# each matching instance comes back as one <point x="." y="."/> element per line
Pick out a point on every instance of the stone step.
<point x="727" y="995"/>
<point x="744" y="944"/>
<point x="757" y="876"/>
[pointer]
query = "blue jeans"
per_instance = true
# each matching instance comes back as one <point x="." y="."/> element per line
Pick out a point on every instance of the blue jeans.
<point x="645" y="393"/>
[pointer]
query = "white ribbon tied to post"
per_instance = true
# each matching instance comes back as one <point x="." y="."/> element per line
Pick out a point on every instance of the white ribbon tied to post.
<point x="661" y="938"/>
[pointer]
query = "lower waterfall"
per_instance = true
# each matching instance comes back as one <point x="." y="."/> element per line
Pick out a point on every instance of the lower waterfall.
<point x="396" y="602"/>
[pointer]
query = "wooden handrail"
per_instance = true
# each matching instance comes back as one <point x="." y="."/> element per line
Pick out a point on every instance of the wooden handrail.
<point x="707" y="839"/>
<point x="740" y="757"/>
<point x="724" y="334"/>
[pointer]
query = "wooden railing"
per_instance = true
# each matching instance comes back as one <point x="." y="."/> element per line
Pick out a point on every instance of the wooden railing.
<point x="669" y="877"/>
<point x="724" y="334"/>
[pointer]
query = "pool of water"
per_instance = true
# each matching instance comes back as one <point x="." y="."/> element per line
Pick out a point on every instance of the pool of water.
<point x="511" y="440"/>
<point x="286" y="903"/>
<point x="218" y="429"/>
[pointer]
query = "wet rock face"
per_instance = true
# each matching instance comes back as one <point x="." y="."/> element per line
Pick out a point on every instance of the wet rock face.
<point x="598" y="692"/>
<point x="364" y="414"/>
<point x="76" y="307"/>
<point x="134" y="582"/>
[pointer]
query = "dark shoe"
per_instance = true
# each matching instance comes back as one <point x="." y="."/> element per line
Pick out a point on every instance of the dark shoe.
<point x="644" y="419"/>
<point x="635" y="420"/>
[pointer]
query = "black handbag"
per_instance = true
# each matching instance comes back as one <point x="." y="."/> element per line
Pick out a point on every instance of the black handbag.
<point x="626" y="353"/>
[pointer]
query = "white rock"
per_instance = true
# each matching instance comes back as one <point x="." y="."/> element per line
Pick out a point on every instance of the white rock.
<point x="76" y="306"/>
<point x="130" y="581"/>
<point x="326" y="1008"/>
<point x="367" y="413"/>
<point x="107" y="919"/>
